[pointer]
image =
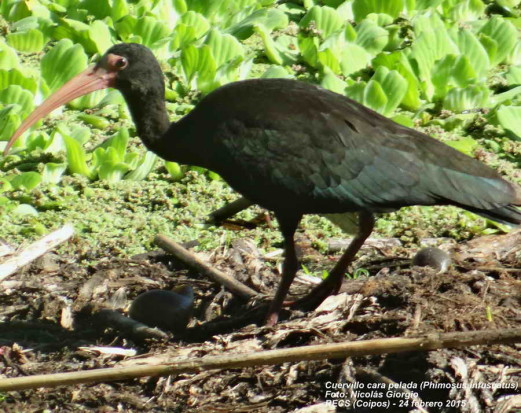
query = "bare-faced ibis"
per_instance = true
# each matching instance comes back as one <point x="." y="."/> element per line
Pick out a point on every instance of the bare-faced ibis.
<point x="295" y="148"/>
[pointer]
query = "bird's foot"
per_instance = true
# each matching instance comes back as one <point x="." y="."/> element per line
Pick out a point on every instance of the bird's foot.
<point x="271" y="319"/>
<point x="316" y="296"/>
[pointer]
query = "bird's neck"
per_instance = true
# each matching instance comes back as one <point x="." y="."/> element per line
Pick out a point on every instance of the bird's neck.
<point x="150" y="117"/>
<point x="176" y="142"/>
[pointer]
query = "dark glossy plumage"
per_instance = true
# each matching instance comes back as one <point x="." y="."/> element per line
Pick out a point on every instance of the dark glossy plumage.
<point x="312" y="150"/>
<point x="295" y="148"/>
<point x="290" y="145"/>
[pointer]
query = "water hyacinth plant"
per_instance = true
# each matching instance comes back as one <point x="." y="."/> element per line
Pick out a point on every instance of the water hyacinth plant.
<point x="411" y="60"/>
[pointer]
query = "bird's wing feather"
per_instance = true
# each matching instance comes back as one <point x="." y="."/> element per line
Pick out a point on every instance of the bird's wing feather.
<point x="332" y="154"/>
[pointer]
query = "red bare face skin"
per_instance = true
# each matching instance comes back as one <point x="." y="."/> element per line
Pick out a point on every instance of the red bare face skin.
<point x="101" y="76"/>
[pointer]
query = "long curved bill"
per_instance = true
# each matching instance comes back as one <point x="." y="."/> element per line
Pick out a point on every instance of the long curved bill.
<point x="91" y="79"/>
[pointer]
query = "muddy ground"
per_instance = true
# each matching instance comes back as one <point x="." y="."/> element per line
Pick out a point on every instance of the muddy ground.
<point x="50" y="322"/>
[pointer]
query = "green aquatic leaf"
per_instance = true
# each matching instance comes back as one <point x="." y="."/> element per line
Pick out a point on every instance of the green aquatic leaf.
<point x="508" y="117"/>
<point x="15" y="94"/>
<point x="269" y="19"/>
<point x="429" y="47"/>
<point x="308" y="47"/>
<point x="148" y="30"/>
<point x="328" y="59"/>
<point x="143" y="169"/>
<point x="190" y="57"/>
<point x="72" y="29"/>
<point x="98" y="122"/>
<point x="467" y="145"/>
<point x="427" y="22"/>
<point x="270" y="48"/>
<point x="175" y="170"/>
<point x="99" y="34"/>
<point x="403" y="120"/>
<point x="30" y="41"/>
<point x="26" y="180"/>
<point x="276" y="72"/>
<point x="180" y="6"/>
<point x="375" y="97"/>
<point x="514" y="57"/>
<point x="132" y="159"/>
<point x="112" y="172"/>
<point x="119" y="142"/>
<point x="8" y="57"/>
<point x="333" y="83"/>
<point x="37" y="140"/>
<point x="442" y="75"/>
<point x="17" y="11"/>
<point x="120" y="9"/>
<point x="394" y="86"/>
<point x="165" y="12"/>
<point x="191" y="27"/>
<point x="15" y="77"/>
<point x="361" y="8"/>
<point x="504" y="97"/>
<point x="325" y="20"/>
<point x="462" y="11"/>
<point x="183" y="36"/>
<point x="55" y="143"/>
<point x="98" y="157"/>
<point x="356" y="91"/>
<point x="513" y="75"/>
<point x="371" y="37"/>
<point x="283" y="51"/>
<point x="490" y="45"/>
<point x="25" y="209"/>
<point x="53" y="172"/>
<point x="231" y="71"/>
<point x="5" y="185"/>
<point x="197" y="21"/>
<point x="76" y="157"/>
<point x="223" y="47"/>
<point x="504" y="34"/>
<point x="81" y="133"/>
<point x="463" y="72"/>
<point x="97" y="8"/>
<point x="198" y="61"/>
<point x="9" y="121"/>
<point x="62" y="62"/>
<point x="354" y="58"/>
<point x="471" y="97"/>
<point x="470" y="47"/>
<point x="399" y="62"/>
<point x="453" y="71"/>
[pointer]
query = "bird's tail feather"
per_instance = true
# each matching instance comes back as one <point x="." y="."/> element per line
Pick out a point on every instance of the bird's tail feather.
<point x="509" y="215"/>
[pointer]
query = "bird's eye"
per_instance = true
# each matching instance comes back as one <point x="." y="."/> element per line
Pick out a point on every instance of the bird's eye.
<point x="121" y="63"/>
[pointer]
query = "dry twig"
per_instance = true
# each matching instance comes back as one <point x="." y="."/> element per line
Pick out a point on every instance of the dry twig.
<point x="191" y="260"/>
<point x="270" y="357"/>
<point x="35" y="250"/>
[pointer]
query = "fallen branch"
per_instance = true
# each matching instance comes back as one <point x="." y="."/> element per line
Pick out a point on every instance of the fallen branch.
<point x="270" y="357"/>
<point x="191" y="260"/>
<point x="35" y="250"/>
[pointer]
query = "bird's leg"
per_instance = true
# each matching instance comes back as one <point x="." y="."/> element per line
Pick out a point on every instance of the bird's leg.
<point x="332" y="284"/>
<point x="229" y="210"/>
<point x="288" y="225"/>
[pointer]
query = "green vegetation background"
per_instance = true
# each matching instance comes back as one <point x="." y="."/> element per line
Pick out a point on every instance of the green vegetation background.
<point x="449" y="68"/>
